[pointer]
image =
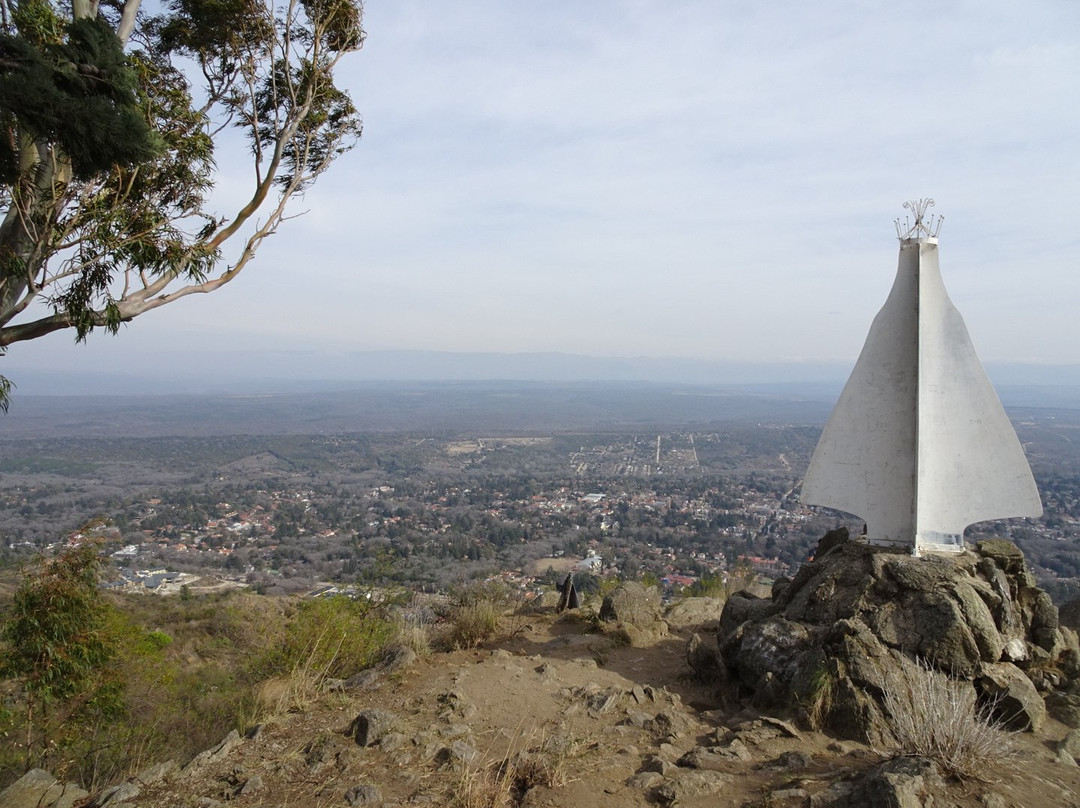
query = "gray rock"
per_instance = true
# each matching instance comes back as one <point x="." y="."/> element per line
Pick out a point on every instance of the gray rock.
<point x="695" y="612"/>
<point x="899" y="783"/>
<point x="789" y="798"/>
<point x="655" y="763"/>
<point x="67" y="795"/>
<point x="854" y="620"/>
<point x="673" y="723"/>
<point x="1064" y="706"/>
<point x="392" y="741"/>
<point x="742" y="607"/>
<point x="1069" y="614"/>
<point x="636" y="718"/>
<point x="689" y="784"/>
<point x="632" y="603"/>
<point x="980" y="621"/>
<point x="1006" y="555"/>
<point x="1015" y="650"/>
<point x="775" y="647"/>
<point x="251" y="785"/>
<point x="717" y="758"/>
<point x="1070" y="744"/>
<point x="29" y="790"/>
<point x="364" y="680"/>
<point x="644" y="781"/>
<point x="456" y="753"/>
<point x="791" y="760"/>
<point x="369" y="727"/>
<point x="399" y="659"/>
<point x="214" y="754"/>
<point x="1065" y="759"/>
<point x="706" y="661"/>
<point x="155" y="773"/>
<point x="114" y="795"/>
<point x="323" y="751"/>
<point x="604" y="701"/>
<point x="764" y="729"/>
<point x="364" y="795"/>
<point x="1012" y="698"/>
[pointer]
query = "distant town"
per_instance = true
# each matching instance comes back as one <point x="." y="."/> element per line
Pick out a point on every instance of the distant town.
<point x="300" y="514"/>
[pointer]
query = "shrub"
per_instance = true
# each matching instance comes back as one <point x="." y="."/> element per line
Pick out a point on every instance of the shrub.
<point x="935" y="717"/>
<point x="335" y="636"/>
<point x="474" y="614"/>
<point x="473" y="623"/>
<point x="412" y="632"/>
<point x="57" y="645"/>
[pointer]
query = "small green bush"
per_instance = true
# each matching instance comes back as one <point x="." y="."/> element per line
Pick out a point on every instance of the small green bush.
<point x="336" y="636"/>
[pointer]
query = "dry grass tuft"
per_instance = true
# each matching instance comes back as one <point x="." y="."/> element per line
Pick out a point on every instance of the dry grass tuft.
<point x="474" y="615"/>
<point x="820" y="702"/>
<point x="472" y="623"/>
<point x="935" y="717"/>
<point x="298" y="688"/>
<point x="504" y="782"/>
<point x="413" y="633"/>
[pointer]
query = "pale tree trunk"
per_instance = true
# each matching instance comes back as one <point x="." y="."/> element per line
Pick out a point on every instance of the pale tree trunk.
<point x="36" y="201"/>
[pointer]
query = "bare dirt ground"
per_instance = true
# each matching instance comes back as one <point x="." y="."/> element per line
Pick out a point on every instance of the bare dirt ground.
<point x="609" y="721"/>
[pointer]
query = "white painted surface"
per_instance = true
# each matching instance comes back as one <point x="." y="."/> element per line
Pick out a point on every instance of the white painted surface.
<point x="918" y="444"/>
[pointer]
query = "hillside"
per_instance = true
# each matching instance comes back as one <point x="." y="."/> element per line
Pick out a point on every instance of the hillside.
<point x="603" y="723"/>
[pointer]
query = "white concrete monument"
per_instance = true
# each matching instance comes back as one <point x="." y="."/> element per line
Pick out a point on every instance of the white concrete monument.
<point x="918" y="445"/>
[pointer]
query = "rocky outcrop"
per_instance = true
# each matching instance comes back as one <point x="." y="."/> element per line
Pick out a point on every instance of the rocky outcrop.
<point x="632" y="611"/>
<point x="858" y="620"/>
<point x="39" y="789"/>
<point x="899" y="783"/>
<point x="700" y="611"/>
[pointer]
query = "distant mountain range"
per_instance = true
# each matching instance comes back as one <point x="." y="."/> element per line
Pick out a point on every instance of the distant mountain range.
<point x="224" y="372"/>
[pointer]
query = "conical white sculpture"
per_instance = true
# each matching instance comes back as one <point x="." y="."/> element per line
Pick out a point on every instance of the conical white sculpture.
<point x="918" y="444"/>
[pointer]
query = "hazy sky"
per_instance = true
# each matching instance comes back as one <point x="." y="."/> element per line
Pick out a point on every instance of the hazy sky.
<point x="713" y="180"/>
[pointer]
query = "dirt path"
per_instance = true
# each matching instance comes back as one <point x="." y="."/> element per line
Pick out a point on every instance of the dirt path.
<point x="604" y="723"/>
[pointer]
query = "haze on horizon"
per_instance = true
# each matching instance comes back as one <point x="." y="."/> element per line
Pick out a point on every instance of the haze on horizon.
<point x="630" y="178"/>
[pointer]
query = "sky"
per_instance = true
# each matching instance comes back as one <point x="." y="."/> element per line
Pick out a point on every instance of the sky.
<point x="697" y="180"/>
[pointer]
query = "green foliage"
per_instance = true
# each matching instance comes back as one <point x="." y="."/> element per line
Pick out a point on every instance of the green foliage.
<point x="337" y="636"/>
<point x="107" y="155"/>
<point x="153" y="642"/>
<point x="708" y="586"/>
<point x="593" y="589"/>
<point x="76" y="92"/>
<point x="6" y="387"/>
<point x="54" y="635"/>
<point x="58" y="646"/>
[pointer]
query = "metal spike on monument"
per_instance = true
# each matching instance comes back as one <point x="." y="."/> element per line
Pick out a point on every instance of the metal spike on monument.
<point x="919" y="445"/>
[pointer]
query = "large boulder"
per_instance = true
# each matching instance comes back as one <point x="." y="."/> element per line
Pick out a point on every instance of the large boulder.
<point x="631" y="602"/>
<point x="699" y="611"/>
<point x="39" y="789"/>
<point x="632" y="611"/>
<point x="860" y="621"/>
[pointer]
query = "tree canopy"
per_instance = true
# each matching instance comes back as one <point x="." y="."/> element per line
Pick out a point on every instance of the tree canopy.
<point x="109" y="117"/>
